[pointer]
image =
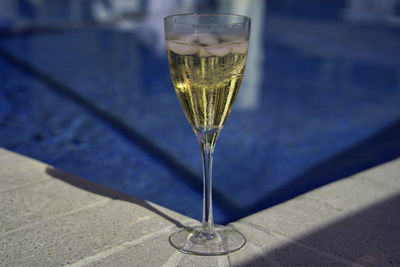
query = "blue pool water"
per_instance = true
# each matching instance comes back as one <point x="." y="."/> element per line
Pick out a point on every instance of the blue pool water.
<point x="85" y="86"/>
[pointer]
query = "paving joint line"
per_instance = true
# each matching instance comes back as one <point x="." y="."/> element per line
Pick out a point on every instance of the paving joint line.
<point x="119" y="248"/>
<point x="174" y="259"/>
<point x="99" y="203"/>
<point x="300" y="244"/>
<point x="22" y="186"/>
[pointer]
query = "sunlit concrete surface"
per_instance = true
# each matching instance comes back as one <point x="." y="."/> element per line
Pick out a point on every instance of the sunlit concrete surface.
<point x="52" y="218"/>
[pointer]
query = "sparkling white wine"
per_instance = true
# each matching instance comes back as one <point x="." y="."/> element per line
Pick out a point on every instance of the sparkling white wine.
<point x="207" y="71"/>
<point x="207" y="56"/>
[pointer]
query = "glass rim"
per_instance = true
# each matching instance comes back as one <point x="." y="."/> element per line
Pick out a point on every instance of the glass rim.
<point x="168" y="19"/>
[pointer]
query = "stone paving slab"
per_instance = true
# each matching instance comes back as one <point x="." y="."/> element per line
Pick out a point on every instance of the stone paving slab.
<point x="52" y="218"/>
<point x="363" y="189"/>
<point x="356" y="219"/>
<point x="336" y="200"/>
<point x="387" y="174"/>
<point x="18" y="170"/>
<point x="150" y="252"/>
<point x="40" y="201"/>
<point x="79" y="235"/>
<point x="264" y="249"/>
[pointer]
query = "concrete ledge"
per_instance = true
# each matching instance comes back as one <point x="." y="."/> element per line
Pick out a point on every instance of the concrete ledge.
<point x="52" y="218"/>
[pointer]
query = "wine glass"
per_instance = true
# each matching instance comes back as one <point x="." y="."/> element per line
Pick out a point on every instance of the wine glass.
<point x="207" y="56"/>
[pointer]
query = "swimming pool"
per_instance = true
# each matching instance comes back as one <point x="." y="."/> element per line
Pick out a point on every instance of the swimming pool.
<point x="320" y="102"/>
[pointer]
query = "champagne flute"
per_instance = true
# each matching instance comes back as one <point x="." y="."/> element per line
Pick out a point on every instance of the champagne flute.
<point x="207" y="56"/>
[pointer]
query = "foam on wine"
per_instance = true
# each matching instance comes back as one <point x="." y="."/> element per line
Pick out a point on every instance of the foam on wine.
<point x="206" y="45"/>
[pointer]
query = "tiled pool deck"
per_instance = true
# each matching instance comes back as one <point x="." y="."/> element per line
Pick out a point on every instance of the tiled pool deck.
<point x="52" y="218"/>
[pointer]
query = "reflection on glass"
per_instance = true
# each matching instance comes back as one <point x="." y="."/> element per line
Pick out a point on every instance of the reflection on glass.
<point x="250" y="98"/>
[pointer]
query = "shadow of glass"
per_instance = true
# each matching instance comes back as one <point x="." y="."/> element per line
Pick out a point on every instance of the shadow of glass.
<point x="107" y="192"/>
<point x="369" y="237"/>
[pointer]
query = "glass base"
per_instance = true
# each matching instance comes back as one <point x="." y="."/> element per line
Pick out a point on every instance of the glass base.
<point x="193" y="240"/>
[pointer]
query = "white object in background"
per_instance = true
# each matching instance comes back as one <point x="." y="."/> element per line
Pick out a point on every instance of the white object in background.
<point x="372" y="11"/>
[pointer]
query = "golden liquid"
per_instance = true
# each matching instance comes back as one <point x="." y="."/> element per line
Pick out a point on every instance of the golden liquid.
<point x="207" y="86"/>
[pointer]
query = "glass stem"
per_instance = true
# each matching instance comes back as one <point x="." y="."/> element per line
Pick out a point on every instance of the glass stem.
<point x="207" y="156"/>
